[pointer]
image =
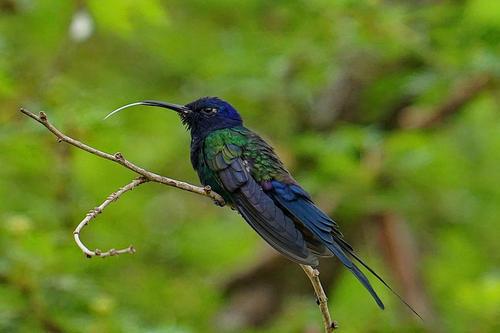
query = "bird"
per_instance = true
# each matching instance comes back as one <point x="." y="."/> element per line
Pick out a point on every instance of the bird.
<point x="246" y="171"/>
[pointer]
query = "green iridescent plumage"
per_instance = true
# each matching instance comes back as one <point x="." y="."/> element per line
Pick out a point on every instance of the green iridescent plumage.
<point x="222" y="146"/>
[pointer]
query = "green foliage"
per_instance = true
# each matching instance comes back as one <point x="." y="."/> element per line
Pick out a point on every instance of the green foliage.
<point x="274" y="61"/>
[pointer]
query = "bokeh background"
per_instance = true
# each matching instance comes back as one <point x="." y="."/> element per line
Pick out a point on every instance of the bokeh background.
<point x="386" y="111"/>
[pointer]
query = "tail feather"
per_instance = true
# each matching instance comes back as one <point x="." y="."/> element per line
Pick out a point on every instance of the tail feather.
<point x="358" y="259"/>
<point x="296" y="202"/>
<point x="322" y="227"/>
<point x="337" y="251"/>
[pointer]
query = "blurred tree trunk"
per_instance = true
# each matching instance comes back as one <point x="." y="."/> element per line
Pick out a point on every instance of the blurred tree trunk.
<point x="401" y="254"/>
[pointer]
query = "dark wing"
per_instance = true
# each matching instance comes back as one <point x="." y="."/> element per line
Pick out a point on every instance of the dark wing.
<point x="257" y="208"/>
<point x="296" y="202"/>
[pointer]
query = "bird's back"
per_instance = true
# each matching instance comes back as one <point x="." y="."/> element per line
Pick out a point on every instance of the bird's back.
<point x="221" y="146"/>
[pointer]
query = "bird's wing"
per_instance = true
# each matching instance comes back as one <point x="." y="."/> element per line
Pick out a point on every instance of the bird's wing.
<point x="297" y="202"/>
<point x="279" y="209"/>
<point x="256" y="207"/>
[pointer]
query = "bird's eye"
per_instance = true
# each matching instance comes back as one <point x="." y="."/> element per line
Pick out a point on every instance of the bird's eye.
<point x="209" y="110"/>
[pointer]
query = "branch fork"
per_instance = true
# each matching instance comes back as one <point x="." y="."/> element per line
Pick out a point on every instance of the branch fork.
<point x="148" y="176"/>
<point x="98" y="210"/>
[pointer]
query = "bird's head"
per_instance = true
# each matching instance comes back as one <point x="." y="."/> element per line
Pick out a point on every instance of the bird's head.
<point x="201" y="116"/>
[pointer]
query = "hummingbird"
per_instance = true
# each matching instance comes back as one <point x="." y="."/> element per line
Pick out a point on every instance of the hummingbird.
<point x="246" y="171"/>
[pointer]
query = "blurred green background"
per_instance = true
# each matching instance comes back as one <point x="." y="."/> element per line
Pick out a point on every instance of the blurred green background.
<point x="386" y="111"/>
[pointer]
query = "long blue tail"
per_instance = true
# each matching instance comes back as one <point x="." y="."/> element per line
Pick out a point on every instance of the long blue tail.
<point x="299" y="204"/>
<point x="358" y="259"/>
<point x="305" y="211"/>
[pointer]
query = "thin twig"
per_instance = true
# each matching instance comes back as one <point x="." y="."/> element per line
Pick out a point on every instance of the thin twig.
<point x="98" y="210"/>
<point x="118" y="158"/>
<point x="313" y="275"/>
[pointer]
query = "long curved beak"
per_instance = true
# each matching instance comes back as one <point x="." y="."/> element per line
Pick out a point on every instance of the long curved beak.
<point x="181" y="109"/>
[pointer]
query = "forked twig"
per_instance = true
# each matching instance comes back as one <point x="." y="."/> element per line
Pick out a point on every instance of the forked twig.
<point x="98" y="210"/>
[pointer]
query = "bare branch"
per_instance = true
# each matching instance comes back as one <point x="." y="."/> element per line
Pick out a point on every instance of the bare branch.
<point x="98" y="210"/>
<point x="146" y="176"/>
<point x="313" y="275"/>
<point x="118" y="158"/>
<point x="462" y="93"/>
